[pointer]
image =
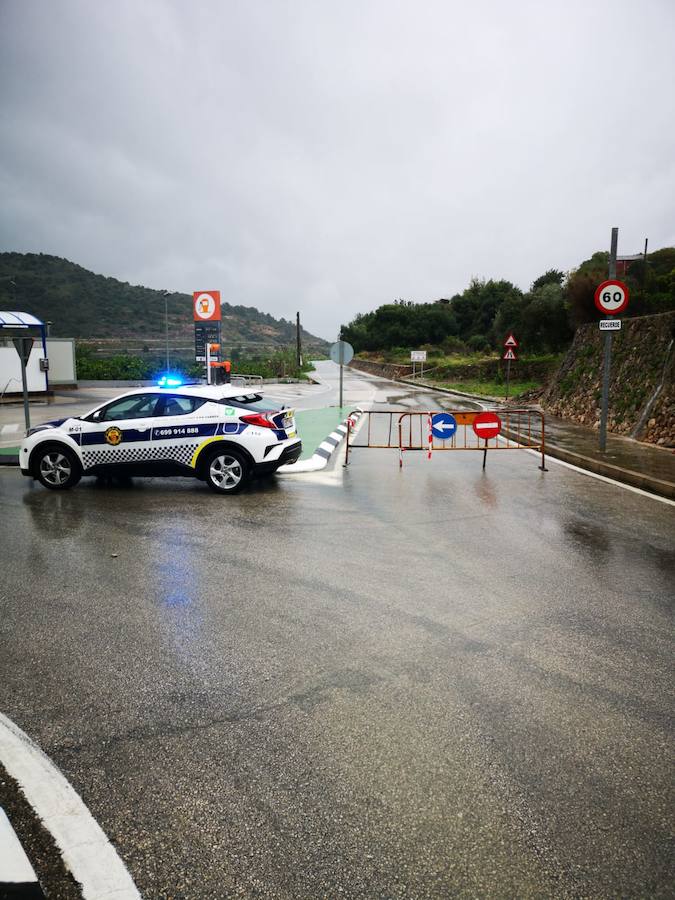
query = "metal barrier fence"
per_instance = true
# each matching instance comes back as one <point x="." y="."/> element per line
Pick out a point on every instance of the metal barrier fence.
<point x="404" y="430"/>
<point x="247" y="379"/>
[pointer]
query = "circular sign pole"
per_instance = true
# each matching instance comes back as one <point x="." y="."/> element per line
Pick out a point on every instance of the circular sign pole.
<point x="342" y="354"/>
<point x="611" y="297"/>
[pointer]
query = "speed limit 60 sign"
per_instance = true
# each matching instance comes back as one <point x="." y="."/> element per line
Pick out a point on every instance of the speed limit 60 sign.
<point x="611" y="297"/>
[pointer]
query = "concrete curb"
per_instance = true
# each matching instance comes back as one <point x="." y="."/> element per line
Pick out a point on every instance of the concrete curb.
<point x="616" y="473"/>
<point x="86" y="851"/>
<point x="322" y="454"/>
<point x="17" y="876"/>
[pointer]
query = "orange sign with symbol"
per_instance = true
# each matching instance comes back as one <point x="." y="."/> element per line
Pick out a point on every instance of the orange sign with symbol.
<point x="206" y="306"/>
<point x="467" y="418"/>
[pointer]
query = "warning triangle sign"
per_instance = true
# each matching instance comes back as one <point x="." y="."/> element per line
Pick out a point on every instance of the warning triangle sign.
<point x="509" y="354"/>
<point x="510" y="341"/>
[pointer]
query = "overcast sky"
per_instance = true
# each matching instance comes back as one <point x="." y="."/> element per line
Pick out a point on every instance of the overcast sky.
<point x="333" y="156"/>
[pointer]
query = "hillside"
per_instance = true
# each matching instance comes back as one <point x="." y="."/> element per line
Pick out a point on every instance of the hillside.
<point x="82" y="304"/>
<point x="642" y="380"/>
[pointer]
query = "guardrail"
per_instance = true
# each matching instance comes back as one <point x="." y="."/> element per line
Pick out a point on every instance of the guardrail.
<point x="247" y="379"/>
<point x="405" y="431"/>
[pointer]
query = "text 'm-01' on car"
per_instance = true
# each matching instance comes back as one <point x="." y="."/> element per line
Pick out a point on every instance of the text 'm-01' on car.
<point x="222" y="434"/>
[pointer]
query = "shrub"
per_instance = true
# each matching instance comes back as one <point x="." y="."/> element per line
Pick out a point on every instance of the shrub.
<point x="478" y="343"/>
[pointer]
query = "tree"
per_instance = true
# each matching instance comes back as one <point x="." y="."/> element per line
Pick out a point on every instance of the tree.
<point x="552" y="276"/>
<point x="580" y="288"/>
<point x="545" y="324"/>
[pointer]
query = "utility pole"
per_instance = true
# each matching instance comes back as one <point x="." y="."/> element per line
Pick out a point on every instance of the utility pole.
<point x="166" y="325"/>
<point x="298" y="340"/>
<point x="24" y="345"/>
<point x="608" y="351"/>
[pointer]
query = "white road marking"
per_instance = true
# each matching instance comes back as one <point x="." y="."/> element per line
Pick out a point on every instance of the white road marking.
<point x="15" y="867"/>
<point x="85" y="849"/>
<point x="8" y="429"/>
<point x="589" y="474"/>
<point x="626" y="487"/>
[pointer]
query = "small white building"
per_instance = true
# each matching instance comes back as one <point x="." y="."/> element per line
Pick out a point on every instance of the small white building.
<point x="52" y="360"/>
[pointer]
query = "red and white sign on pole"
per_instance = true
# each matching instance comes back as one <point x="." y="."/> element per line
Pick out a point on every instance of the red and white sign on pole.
<point x="611" y="297"/>
<point x="509" y="354"/>
<point x="206" y="306"/>
<point x="510" y="341"/>
<point x="487" y="425"/>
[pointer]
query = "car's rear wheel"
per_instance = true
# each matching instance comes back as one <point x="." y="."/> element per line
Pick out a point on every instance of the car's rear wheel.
<point x="226" y="471"/>
<point x="57" y="468"/>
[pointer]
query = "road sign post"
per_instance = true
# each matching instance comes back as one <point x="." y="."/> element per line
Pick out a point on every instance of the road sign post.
<point x="509" y="344"/>
<point x="418" y="356"/>
<point x="24" y="345"/>
<point x="611" y="298"/>
<point x="342" y="354"/>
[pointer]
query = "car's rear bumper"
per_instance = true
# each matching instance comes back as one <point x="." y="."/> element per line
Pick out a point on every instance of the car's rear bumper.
<point x="287" y="456"/>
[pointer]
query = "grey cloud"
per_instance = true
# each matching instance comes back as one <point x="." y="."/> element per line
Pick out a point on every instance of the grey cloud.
<point x="330" y="157"/>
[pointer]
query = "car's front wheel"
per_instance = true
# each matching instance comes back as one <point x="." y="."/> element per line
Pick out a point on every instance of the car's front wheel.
<point x="57" y="468"/>
<point x="226" y="471"/>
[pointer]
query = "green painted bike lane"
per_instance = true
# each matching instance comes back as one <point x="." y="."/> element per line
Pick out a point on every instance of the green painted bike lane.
<point x="314" y="426"/>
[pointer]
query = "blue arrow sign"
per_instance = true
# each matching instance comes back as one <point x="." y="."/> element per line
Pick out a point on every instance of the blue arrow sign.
<point x="443" y="426"/>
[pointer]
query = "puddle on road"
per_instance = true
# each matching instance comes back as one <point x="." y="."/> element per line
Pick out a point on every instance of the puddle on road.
<point x="425" y="399"/>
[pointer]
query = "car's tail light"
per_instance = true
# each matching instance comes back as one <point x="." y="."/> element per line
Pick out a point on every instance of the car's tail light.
<point x="258" y="419"/>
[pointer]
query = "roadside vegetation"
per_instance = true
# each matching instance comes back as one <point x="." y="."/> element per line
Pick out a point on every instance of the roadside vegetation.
<point x="122" y="366"/>
<point x="464" y="335"/>
<point x="486" y="388"/>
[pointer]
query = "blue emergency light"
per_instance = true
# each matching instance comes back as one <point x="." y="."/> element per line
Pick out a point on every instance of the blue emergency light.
<point x="170" y="381"/>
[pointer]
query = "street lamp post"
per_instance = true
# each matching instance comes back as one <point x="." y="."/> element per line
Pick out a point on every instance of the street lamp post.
<point x="166" y="325"/>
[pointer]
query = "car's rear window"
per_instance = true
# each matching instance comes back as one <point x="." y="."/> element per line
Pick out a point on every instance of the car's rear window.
<point x="255" y="402"/>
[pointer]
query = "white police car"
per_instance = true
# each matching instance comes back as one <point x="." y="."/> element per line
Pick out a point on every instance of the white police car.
<point x="221" y="434"/>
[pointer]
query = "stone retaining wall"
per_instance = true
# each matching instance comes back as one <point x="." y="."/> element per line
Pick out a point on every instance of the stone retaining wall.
<point x="643" y="360"/>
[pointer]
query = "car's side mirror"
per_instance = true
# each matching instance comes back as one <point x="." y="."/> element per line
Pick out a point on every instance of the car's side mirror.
<point x="95" y="416"/>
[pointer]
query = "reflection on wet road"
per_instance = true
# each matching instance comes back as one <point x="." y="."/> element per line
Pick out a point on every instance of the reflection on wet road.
<point x="422" y="683"/>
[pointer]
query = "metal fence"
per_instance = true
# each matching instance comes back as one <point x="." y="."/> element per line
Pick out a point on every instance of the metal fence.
<point x="247" y="380"/>
<point x="405" y="431"/>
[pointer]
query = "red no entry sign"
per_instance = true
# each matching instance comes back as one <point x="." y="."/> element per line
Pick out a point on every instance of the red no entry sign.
<point x="487" y="425"/>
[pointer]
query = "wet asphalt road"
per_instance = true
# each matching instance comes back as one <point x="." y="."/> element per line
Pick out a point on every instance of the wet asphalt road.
<point x="367" y="683"/>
